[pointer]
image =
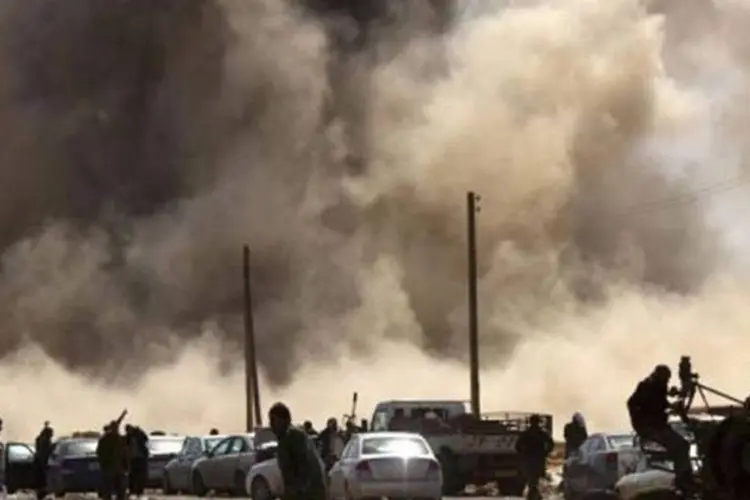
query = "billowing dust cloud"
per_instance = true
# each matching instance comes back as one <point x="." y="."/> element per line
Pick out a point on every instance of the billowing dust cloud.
<point x="143" y="144"/>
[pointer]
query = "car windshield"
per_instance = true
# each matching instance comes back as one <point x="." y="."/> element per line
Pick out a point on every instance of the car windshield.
<point x="165" y="445"/>
<point x="404" y="446"/>
<point x="619" y="441"/>
<point x="79" y="448"/>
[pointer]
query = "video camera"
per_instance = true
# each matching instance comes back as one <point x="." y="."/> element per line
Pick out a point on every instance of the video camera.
<point x="685" y="393"/>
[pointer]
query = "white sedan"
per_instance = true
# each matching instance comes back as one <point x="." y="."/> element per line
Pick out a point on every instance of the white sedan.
<point x="263" y="481"/>
<point x="386" y="464"/>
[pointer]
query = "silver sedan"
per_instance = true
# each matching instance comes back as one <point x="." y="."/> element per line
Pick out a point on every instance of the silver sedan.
<point x="177" y="474"/>
<point x="223" y="469"/>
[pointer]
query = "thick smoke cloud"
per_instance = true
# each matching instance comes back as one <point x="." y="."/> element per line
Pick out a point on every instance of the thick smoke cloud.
<point x="142" y="144"/>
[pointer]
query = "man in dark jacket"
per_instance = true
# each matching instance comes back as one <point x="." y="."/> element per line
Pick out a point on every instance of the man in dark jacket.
<point x="575" y="434"/>
<point x="43" y="451"/>
<point x="534" y="446"/>
<point x="138" y="452"/>
<point x="648" y="407"/>
<point x="300" y="465"/>
<point x="112" y="453"/>
<point x="331" y="443"/>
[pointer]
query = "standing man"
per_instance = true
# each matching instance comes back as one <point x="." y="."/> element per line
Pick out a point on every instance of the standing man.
<point x="534" y="446"/>
<point x="138" y="454"/>
<point x="41" y="457"/>
<point x="575" y="434"/>
<point x="302" y="471"/>
<point x="112" y="453"/>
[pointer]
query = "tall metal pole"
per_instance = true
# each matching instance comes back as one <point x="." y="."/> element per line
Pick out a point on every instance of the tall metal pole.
<point x="471" y="211"/>
<point x="252" y="391"/>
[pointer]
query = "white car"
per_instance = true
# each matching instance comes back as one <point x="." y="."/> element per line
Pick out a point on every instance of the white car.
<point x="647" y="481"/>
<point x="386" y="464"/>
<point x="646" y="484"/>
<point x="263" y="481"/>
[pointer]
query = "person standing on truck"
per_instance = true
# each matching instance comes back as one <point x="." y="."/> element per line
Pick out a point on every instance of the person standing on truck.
<point x="533" y="447"/>
<point x="301" y="468"/>
<point x="648" y="407"/>
<point x="575" y="434"/>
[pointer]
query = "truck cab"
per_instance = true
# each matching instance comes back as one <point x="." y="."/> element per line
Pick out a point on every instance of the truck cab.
<point x="443" y="410"/>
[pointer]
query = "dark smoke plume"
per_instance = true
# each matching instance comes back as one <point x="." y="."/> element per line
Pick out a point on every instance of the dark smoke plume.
<point x="143" y="142"/>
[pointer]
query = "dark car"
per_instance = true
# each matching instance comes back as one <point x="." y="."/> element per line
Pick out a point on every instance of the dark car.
<point x="19" y="470"/>
<point x="73" y="467"/>
<point x="177" y="473"/>
<point x="162" y="449"/>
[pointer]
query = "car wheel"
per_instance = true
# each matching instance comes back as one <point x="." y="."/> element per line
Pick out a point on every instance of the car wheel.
<point x="260" y="490"/>
<point x="199" y="487"/>
<point x="167" y="485"/>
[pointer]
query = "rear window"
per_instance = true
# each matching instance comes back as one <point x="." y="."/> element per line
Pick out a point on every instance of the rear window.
<point x="165" y="446"/>
<point x="620" y="441"/>
<point x="78" y="448"/>
<point x="394" y="446"/>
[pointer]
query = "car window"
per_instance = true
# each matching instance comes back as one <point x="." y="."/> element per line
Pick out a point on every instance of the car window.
<point x="380" y="421"/>
<point x="586" y="446"/>
<point x="78" y="448"/>
<point x="222" y="448"/>
<point x="620" y="441"/>
<point x="238" y="445"/>
<point x="597" y="445"/>
<point x="210" y="443"/>
<point x="165" y="445"/>
<point x="389" y="445"/>
<point x="185" y="450"/>
<point x="19" y="453"/>
<point x="350" y="450"/>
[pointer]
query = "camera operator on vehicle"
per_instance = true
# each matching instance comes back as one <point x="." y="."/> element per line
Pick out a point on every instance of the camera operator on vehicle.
<point x="649" y="408"/>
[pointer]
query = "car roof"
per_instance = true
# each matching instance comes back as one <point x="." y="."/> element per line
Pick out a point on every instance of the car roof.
<point x="391" y="434"/>
<point x="213" y="436"/>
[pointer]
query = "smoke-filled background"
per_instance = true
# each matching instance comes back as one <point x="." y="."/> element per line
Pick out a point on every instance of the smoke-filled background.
<point x="142" y="143"/>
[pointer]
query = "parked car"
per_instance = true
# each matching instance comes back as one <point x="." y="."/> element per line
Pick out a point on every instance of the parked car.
<point x="177" y="473"/>
<point x="224" y="468"/>
<point x="386" y="464"/>
<point x="18" y="466"/>
<point x="73" y="467"/>
<point x="263" y="481"/>
<point x="162" y="449"/>
<point x="599" y="463"/>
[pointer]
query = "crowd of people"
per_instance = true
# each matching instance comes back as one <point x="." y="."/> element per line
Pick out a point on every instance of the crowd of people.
<point x="120" y="456"/>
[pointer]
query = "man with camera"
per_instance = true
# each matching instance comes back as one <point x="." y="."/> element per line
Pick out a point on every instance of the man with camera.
<point x="649" y="408"/>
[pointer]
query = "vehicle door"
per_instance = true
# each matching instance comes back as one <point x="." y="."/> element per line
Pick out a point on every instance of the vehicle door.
<point x="20" y="470"/>
<point x="246" y="458"/>
<point x="228" y="463"/>
<point x="209" y="468"/>
<point x="339" y="472"/>
<point x="179" y="471"/>
<point x="575" y="467"/>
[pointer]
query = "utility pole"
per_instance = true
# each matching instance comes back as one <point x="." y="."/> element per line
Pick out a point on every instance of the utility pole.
<point x="472" y="208"/>
<point x="253" y="415"/>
